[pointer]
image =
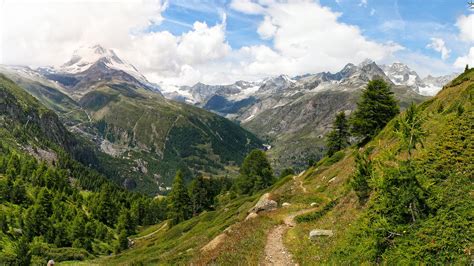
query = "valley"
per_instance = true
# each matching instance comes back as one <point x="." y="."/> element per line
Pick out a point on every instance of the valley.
<point x="236" y="132"/>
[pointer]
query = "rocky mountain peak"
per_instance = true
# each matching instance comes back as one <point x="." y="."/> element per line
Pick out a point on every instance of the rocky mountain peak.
<point x="86" y="57"/>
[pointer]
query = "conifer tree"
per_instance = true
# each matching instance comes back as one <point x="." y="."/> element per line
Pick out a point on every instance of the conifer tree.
<point x="255" y="173"/>
<point x="200" y="198"/>
<point x="338" y="138"/>
<point x="409" y="128"/>
<point x="362" y="175"/>
<point x="179" y="202"/>
<point x="377" y="106"/>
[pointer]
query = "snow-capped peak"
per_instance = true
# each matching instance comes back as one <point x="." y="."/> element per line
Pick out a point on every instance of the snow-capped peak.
<point x="86" y="56"/>
<point x="366" y="62"/>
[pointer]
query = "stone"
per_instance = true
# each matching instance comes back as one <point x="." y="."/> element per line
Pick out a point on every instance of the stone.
<point x="314" y="204"/>
<point x="285" y="204"/>
<point x="264" y="204"/>
<point x="214" y="243"/>
<point x="251" y="216"/>
<point x="314" y="234"/>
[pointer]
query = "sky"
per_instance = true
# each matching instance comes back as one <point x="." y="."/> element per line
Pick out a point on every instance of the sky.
<point x="182" y="42"/>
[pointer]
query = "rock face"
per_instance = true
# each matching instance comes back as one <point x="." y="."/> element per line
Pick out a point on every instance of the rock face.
<point x="314" y="234"/>
<point x="264" y="204"/>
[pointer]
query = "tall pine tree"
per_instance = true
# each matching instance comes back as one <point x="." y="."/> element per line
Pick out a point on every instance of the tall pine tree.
<point x="338" y="138"/>
<point x="255" y="173"/>
<point x="179" y="202"/>
<point x="376" y="108"/>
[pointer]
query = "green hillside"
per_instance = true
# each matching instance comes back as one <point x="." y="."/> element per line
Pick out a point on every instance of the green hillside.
<point x="152" y="137"/>
<point x="418" y="210"/>
<point x="307" y="120"/>
<point x="51" y="205"/>
<point x="143" y="137"/>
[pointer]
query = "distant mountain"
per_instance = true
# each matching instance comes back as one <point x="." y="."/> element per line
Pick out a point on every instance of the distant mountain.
<point x="292" y="114"/>
<point x="148" y="136"/>
<point x="401" y="74"/>
<point x="91" y="66"/>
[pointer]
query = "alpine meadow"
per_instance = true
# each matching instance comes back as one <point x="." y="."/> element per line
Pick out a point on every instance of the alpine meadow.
<point x="236" y="132"/>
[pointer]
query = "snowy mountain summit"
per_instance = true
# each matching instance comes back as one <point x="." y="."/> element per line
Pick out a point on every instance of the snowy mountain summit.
<point x="85" y="57"/>
<point x="401" y="74"/>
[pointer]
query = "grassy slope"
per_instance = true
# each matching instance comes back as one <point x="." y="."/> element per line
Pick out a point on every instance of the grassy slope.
<point x="342" y="219"/>
<point x="311" y="117"/>
<point x="325" y="183"/>
<point x="166" y="135"/>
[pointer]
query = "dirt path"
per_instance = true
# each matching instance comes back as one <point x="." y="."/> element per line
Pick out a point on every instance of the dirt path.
<point x="275" y="251"/>
<point x="300" y="183"/>
<point x="152" y="233"/>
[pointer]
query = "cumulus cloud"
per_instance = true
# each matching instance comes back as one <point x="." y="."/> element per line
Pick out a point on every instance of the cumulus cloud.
<point x="310" y="38"/>
<point x="466" y="28"/>
<point x="305" y="38"/>
<point x="247" y="6"/>
<point x="363" y="3"/>
<point x="47" y="31"/>
<point x="439" y="45"/>
<point x="267" y="29"/>
<point x="468" y="59"/>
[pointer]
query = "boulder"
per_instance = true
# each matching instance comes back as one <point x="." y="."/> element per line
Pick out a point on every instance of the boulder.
<point x="319" y="232"/>
<point x="251" y="216"/>
<point x="214" y="243"/>
<point x="314" y="204"/>
<point x="264" y="204"/>
<point x="285" y="204"/>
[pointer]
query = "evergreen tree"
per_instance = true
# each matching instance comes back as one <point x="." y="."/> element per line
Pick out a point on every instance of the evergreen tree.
<point x="22" y="251"/>
<point x="255" y="173"/>
<point x="338" y="138"/>
<point x="409" y="128"/>
<point x="466" y="69"/>
<point x="362" y="175"/>
<point x="377" y="106"/>
<point x="179" y="202"/>
<point x="198" y="193"/>
<point x="3" y="222"/>
<point x="122" y="241"/>
<point x="287" y="172"/>
<point x="36" y="221"/>
<point x="125" y="222"/>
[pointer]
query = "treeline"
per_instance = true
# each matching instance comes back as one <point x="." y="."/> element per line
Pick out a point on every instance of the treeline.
<point x="64" y="209"/>
<point x="376" y="107"/>
<point x="203" y="194"/>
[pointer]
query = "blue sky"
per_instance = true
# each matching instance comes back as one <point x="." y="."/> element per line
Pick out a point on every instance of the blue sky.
<point x="182" y="42"/>
<point x="410" y="23"/>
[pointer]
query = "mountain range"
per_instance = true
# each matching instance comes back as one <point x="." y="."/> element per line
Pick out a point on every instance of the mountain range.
<point x="108" y="101"/>
<point x="142" y="136"/>
<point x="293" y="114"/>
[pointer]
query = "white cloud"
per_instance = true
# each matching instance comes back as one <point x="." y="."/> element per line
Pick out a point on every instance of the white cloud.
<point x="439" y="45"/>
<point x="310" y="38"/>
<point x="46" y="31"/>
<point x="267" y="29"/>
<point x="466" y="28"/>
<point x="305" y="38"/>
<point x="468" y="59"/>
<point x="372" y="12"/>
<point x="363" y="3"/>
<point x="246" y="6"/>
